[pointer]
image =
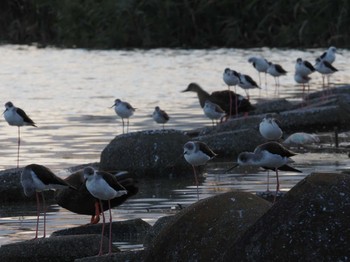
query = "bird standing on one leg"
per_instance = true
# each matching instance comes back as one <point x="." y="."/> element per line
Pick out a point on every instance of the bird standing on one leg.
<point x="103" y="186"/>
<point x="36" y="179"/>
<point x="197" y="154"/>
<point x="15" y="116"/>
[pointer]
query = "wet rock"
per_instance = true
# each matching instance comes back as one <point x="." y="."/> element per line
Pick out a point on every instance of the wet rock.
<point x="202" y="231"/>
<point x="156" y="229"/>
<point x="273" y="106"/>
<point x="63" y="248"/>
<point x="147" y="153"/>
<point x="130" y="256"/>
<point x="318" y="119"/>
<point x="230" y="144"/>
<point x="310" y="223"/>
<point x="133" y="230"/>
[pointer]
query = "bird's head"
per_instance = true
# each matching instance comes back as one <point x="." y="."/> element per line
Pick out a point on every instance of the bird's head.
<point x="88" y="172"/>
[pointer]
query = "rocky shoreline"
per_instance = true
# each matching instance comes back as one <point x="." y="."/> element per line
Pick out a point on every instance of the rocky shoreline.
<point x="308" y="222"/>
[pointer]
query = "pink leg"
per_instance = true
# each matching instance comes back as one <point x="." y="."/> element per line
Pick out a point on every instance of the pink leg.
<point x="195" y="177"/>
<point x="103" y="229"/>
<point x="96" y="218"/>
<point x="236" y="102"/>
<point x="19" y="144"/>
<point x="110" y="228"/>
<point x="230" y="95"/>
<point x="44" y="209"/>
<point x="37" y="214"/>
<point x="268" y="181"/>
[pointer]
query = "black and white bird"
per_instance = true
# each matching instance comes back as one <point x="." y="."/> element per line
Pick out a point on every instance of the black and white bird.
<point x="103" y="186"/>
<point x="197" y="154"/>
<point x="269" y="128"/>
<point x="160" y="116"/>
<point x="261" y="65"/>
<point x="230" y="78"/>
<point x="80" y="201"/>
<point x="325" y="69"/>
<point x="123" y="110"/>
<point x="276" y="71"/>
<point x="271" y="155"/>
<point x="303" y="67"/>
<point x="329" y="55"/>
<point x="303" y="80"/>
<point x="36" y="179"/>
<point x="15" y="116"/>
<point x="246" y="83"/>
<point x="213" y="111"/>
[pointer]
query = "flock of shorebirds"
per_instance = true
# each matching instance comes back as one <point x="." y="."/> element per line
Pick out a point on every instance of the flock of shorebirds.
<point x="102" y="187"/>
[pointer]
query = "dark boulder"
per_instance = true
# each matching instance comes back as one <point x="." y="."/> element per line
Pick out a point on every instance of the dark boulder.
<point x="310" y="223"/>
<point x="147" y="153"/>
<point x="63" y="248"/>
<point x="202" y="231"/>
<point x="133" y="230"/>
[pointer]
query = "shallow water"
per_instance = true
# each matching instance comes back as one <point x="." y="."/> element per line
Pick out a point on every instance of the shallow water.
<point x="69" y="92"/>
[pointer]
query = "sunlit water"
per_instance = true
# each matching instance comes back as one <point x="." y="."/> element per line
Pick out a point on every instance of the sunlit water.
<point x="69" y="94"/>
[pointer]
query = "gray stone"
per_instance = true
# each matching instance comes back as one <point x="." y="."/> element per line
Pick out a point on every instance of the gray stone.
<point x="156" y="229"/>
<point x="147" y="153"/>
<point x="63" y="248"/>
<point x="133" y="230"/>
<point x="129" y="256"/>
<point x="273" y="106"/>
<point x="310" y="223"/>
<point x="230" y="144"/>
<point x="202" y="231"/>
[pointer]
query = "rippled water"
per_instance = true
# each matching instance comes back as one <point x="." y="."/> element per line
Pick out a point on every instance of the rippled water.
<point x="69" y="92"/>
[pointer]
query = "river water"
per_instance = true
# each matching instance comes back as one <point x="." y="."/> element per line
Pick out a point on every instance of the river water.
<point x="69" y="94"/>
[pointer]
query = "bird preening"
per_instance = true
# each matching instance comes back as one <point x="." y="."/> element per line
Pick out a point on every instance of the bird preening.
<point x="36" y="179"/>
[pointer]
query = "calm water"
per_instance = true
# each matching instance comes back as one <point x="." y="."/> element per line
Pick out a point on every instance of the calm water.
<point x="69" y="92"/>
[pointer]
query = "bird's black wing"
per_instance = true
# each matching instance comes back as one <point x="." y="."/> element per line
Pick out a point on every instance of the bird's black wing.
<point x="205" y="149"/>
<point x="25" y="117"/>
<point x="47" y="176"/>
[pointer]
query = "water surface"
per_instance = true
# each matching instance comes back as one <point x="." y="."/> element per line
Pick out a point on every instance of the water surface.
<point x="69" y="94"/>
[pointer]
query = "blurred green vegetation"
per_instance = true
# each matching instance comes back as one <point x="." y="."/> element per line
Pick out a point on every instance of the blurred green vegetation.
<point x="105" y="24"/>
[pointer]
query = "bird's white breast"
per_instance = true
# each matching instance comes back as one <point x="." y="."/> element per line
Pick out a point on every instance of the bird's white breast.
<point x="13" y="118"/>
<point x="100" y="189"/>
<point x="197" y="159"/>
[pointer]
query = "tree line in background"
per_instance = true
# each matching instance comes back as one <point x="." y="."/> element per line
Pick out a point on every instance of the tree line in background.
<point x="105" y="24"/>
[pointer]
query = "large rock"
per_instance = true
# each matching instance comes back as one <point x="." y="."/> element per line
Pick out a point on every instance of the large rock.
<point x="133" y="230"/>
<point x="202" y="231"/>
<point x="147" y="153"/>
<point x="229" y="144"/>
<point x="310" y="223"/>
<point x="63" y="248"/>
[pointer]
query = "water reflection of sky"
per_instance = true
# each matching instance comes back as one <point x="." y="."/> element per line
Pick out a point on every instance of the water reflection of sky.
<point x="69" y="92"/>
